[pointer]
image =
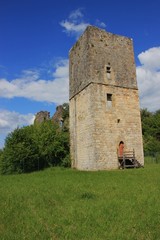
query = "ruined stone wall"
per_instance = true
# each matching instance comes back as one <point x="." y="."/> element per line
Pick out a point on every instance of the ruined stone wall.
<point x="57" y="117"/>
<point x="42" y="116"/>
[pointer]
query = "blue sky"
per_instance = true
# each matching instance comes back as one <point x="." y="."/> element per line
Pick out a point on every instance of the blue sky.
<point x="35" y="39"/>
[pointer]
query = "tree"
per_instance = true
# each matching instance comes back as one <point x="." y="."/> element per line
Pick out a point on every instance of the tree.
<point x="52" y="142"/>
<point x="151" y="131"/>
<point x="35" y="147"/>
<point x="20" y="152"/>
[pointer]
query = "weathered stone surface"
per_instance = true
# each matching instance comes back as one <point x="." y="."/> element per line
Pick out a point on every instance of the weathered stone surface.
<point x="57" y="117"/>
<point x="97" y="50"/>
<point x="60" y="117"/>
<point x="104" y="102"/>
<point x="42" y="116"/>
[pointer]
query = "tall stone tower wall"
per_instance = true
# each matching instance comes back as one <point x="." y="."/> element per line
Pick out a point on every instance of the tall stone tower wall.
<point x="104" y="102"/>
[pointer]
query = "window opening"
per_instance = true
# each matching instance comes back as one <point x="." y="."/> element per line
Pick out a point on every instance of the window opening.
<point x="109" y="100"/>
<point x="108" y="71"/>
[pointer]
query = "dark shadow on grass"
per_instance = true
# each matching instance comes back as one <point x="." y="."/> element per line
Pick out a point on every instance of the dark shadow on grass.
<point x="87" y="196"/>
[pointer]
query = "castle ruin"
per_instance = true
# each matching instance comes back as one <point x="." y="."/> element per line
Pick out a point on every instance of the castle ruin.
<point x="104" y="100"/>
<point x="41" y="117"/>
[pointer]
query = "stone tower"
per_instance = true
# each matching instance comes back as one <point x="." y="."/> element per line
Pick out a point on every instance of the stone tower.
<point x="104" y="101"/>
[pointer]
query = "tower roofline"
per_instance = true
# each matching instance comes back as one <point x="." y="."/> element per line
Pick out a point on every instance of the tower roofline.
<point x="92" y="27"/>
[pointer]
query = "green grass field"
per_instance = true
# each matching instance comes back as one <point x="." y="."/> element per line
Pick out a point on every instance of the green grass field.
<point x="68" y="204"/>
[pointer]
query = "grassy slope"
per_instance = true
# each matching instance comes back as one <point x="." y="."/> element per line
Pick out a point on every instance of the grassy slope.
<point x="68" y="204"/>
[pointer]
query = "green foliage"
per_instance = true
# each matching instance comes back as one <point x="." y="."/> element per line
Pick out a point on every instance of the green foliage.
<point x="66" y="162"/>
<point x="151" y="131"/>
<point x="65" y="112"/>
<point x="20" y="152"/>
<point x="35" y="147"/>
<point x="65" y="116"/>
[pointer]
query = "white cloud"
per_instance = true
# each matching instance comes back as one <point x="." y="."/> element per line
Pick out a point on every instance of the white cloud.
<point x="73" y="28"/>
<point x="148" y="76"/>
<point x="11" y="120"/>
<point x="151" y="58"/>
<point x="31" y="86"/>
<point x="62" y="69"/>
<point x="30" y="75"/>
<point x="75" y="23"/>
<point x="100" y="24"/>
<point x="76" y="14"/>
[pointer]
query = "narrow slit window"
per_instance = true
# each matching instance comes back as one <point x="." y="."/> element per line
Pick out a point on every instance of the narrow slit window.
<point x="108" y="71"/>
<point x="109" y="100"/>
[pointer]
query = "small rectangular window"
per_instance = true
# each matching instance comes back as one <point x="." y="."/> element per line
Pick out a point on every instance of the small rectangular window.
<point x="109" y="97"/>
<point x="109" y="100"/>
